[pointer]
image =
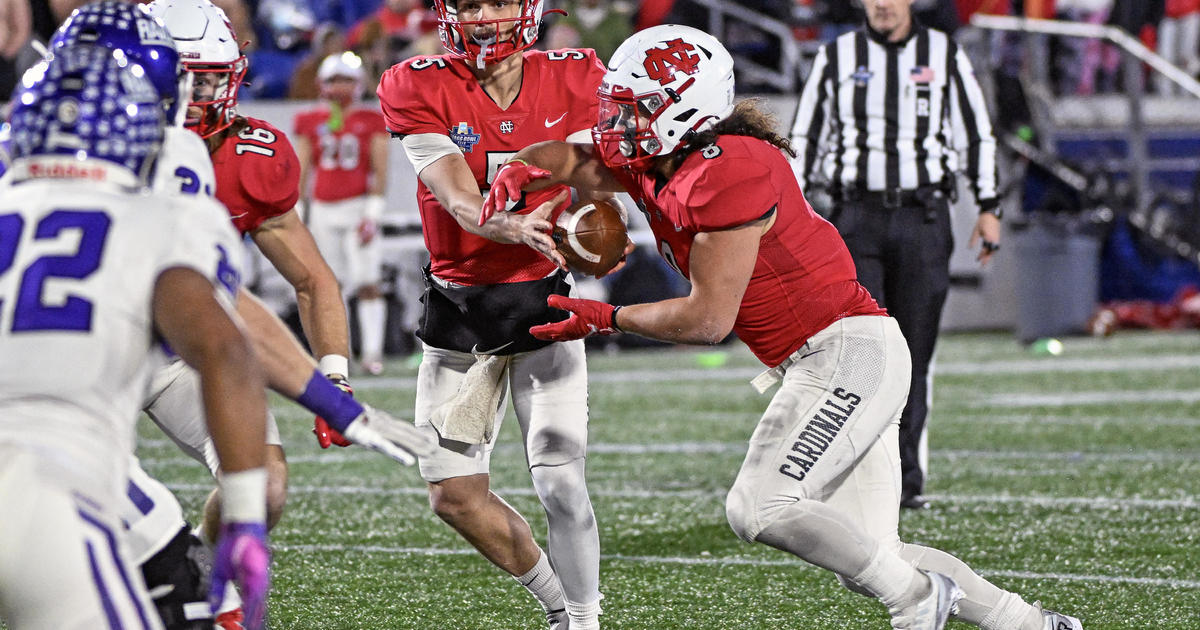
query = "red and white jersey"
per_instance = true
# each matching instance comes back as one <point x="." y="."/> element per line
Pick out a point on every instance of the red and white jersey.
<point x="258" y="175"/>
<point x="440" y="95"/>
<point x="804" y="279"/>
<point x="341" y="156"/>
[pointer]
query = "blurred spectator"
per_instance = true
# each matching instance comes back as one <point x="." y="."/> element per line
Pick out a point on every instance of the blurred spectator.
<point x="1179" y="40"/>
<point x="289" y="23"/>
<point x="16" y="26"/>
<point x="938" y="14"/>
<point x="840" y="17"/>
<point x="598" y="24"/>
<point x="1041" y="9"/>
<point x="1086" y="65"/>
<point x="397" y="31"/>
<point x="327" y="40"/>
<point x="968" y="8"/>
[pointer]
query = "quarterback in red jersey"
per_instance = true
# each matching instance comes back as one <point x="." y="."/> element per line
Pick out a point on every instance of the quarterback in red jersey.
<point x="343" y="151"/>
<point x="821" y="477"/>
<point x="460" y="116"/>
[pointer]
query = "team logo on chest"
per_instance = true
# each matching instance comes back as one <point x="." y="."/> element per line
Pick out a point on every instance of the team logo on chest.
<point x="464" y="136"/>
<point x="507" y="126"/>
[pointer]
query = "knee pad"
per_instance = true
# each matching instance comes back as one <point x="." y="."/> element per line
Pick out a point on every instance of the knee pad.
<point x="177" y="578"/>
<point x="563" y="490"/>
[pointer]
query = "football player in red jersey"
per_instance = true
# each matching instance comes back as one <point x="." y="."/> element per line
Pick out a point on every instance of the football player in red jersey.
<point x="343" y="150"/>
<point x="821" y="477"/>
<point x="460" y="116"/>
<point x="257" y="174"/>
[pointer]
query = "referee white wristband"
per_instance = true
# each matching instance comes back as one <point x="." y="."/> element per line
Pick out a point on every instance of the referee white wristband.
<point x="334" y="364"/>
<point x="244" y="496"/>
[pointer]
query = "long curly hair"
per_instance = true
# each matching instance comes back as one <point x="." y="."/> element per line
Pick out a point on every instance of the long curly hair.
<point x="748" y="118"/>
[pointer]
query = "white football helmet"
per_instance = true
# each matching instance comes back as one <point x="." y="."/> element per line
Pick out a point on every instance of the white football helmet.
<point x="341" y="65"/>
<point x="212" y="57"/>
<point x="663" y="85"/>
<point x="462" y="46"/>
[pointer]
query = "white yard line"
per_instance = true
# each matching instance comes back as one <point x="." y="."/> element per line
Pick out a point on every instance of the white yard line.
<point x="739" y="448"/>
<point x="650" y="493"/>
<point x="1029" y="399"/>
<point x="1019" y="366"/>
<point x="716" y="561"/>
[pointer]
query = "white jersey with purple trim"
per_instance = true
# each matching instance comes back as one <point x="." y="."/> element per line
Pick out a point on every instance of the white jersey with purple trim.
<point x="184" y="166"/>
<point x="78" y="265"/>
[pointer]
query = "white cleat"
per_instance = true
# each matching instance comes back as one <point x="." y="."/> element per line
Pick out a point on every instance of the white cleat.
<point x="1057" y="621"/>
<point x="932" y="612"/>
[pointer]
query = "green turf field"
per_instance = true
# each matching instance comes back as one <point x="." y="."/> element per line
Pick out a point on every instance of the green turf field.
<point x="1070" y="479"/>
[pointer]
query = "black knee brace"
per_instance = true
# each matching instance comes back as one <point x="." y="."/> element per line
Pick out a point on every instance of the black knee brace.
<point x="177" y="578"/>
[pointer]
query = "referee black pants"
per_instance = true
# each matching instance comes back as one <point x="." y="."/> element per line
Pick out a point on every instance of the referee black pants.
<point x="902" y="255"/>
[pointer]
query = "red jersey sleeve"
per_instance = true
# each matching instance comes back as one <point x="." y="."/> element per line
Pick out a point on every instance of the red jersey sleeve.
<point x="305" y="124"/>
<point x="588" y="73"/>
<point x="730" y="187"/>
<point x="404" y="99"/>
<point x="258" y="174"/>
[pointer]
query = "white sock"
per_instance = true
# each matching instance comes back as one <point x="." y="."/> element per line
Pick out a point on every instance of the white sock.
<point x="372" y="318"/>
<point x="543" y="584"/>
<point x="584" y="616"/>
<point x="895" y="582"/>
<point x="1012" y="612"/>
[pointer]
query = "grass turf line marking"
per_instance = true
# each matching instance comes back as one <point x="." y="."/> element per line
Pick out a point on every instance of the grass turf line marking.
<point x="715" y="561"/>
<point x="1025" y="366"/>
<point x="1086" y="502"/>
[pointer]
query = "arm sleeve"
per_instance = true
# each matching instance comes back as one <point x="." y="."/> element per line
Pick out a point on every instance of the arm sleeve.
<point x="971" y="131"/>
<point x="424" y="149"/>
<point x="812" y="114"/>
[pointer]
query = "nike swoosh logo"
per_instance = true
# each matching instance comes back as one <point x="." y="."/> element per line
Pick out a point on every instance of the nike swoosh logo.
<point x="805" y="356"/>
<point x="475" y="348"/>
<point x="238" y="216"/>
<point x="556" y="120"/>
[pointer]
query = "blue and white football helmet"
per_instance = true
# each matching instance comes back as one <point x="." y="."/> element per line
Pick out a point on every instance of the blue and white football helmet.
<point x="142" y="37"/>
<point x="5" y="146"/>
<point x="84" y="111"/>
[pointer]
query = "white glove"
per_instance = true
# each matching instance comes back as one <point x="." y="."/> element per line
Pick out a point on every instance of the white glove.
<point x="381" y="431"/>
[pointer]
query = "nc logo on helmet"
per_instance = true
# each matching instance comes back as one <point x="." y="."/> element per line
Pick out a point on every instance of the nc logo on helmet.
<point x="661" y="63"/>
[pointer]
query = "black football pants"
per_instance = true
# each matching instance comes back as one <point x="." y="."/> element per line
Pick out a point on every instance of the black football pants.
<point x="902" y="255"/>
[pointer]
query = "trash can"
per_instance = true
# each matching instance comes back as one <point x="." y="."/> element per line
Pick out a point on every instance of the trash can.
<point x="1058" y="274"/>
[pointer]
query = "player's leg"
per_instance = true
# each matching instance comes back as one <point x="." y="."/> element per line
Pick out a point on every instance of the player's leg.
<point x="549" y="389"/>
<point x="459" y="487"/>
<point x="869" y="493"/>
<point x="173" y="560"/>
<point x="831" y="408"/>
<point x="71" y="570"/>
<point x="365" y="274"/>
<point x="177" y="409"/>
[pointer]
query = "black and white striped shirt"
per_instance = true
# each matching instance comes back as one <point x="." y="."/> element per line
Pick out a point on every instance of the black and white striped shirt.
<point x="880" y="116"/>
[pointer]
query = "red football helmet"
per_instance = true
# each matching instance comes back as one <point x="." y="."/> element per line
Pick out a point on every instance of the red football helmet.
<point x="462" y="46"/>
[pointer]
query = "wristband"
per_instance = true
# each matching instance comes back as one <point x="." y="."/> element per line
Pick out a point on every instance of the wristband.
<point x="328" y="401"/>
<point x="518" y="161"/>
<point x="334" y="364"/>
<point x="614" y="318"/>
<point x="244" y="496"/>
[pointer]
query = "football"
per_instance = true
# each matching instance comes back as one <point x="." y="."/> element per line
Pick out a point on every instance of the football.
<point x="590" y="236"/>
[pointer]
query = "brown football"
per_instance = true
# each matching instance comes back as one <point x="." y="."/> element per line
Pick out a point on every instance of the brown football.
<point x="591" y="236"/>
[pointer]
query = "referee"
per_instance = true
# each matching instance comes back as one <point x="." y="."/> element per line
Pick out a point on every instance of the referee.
<point x="887" y="116"/>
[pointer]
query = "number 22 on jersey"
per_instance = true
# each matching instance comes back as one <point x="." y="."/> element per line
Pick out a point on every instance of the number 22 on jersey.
<point x="82" y="234"/>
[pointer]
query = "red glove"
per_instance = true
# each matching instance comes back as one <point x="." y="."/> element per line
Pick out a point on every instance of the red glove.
<point x="588" y="317"/>
<point x="507" y="185"/>
<point x="326" y="434"/>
